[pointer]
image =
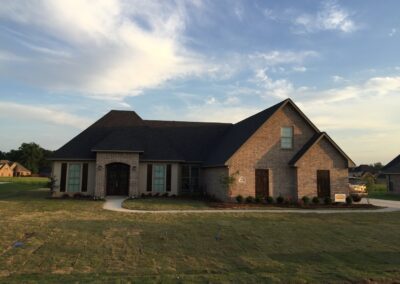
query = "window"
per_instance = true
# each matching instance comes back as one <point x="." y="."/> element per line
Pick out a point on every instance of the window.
<point x="74" y="178"/>
<point x="159" y="178"/>
<point x="190" y="178"/>
<point x="287" y="137"/>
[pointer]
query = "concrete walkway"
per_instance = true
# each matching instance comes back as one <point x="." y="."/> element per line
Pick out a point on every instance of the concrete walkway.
<point x="114" y="203"/>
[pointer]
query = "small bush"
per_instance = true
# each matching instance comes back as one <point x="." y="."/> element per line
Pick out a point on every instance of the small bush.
<point x="78" y="195"/>
<point x="356" y="197"/>
<point x="306" y="200"/>
<point x="239" y="199"/>
<point x="165" y="194"/>
<point x="65" y="196"/>
<point x="280" y="199"/>
<point x="249" y="199"/>
<point x="327" y="200"/>
<point x="349" y="200"/>
<point x="173" y="195"/>
<point x="269" y="199"/>
<point x="315" y="200"/>
<point x="257" y="199"/>
<point x="157" y="194"/>
<point x="143" y="195"/>
<point x="149" y="194"/>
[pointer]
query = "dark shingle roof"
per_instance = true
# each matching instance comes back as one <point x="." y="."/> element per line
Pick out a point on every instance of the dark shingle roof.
<point x="158" y="140"/>
<point x="393" y="166"/>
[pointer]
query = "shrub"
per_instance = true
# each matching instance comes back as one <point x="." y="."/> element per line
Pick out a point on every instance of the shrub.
<point x="157" y="194"/>
<point x="257" y="199"/>
<point x="149" y="194"/>
<point x="143" y="195"/>
<point x="165" y="194"/>
<point x="315" y="200"/>
<point x="269" y="199"/>
<point x="306" y="200"/>
<point x="239" y="198"/>
<point x="249" y="199"/>
<point x="349" y="200"/>
<point x="356" y="197"/>
<point x="65" y="196"/>
<point x="280" y="199"/>
<point x="173" y="195"/>
<point x="78" y="195"/>
<point x="327" y="200"/>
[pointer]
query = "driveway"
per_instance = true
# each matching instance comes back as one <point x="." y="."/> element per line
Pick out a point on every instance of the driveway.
<point x="114" y="203"/>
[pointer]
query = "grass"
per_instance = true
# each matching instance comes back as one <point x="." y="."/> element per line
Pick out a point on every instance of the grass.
<point x="25" y="180"/>
<point x="161" y="203"/>
<point x="379" y="191"/>
<point x="77" y="241"/>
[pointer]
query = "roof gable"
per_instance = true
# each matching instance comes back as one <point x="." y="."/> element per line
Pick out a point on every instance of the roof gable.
<point x="240" y="132"/>
<point x="393" y="166"/>
<point x="313" y="141"/>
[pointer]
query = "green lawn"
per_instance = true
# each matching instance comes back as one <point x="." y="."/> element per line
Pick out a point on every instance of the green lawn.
<point x="379" y="191"/>
<point x="30" y="180"/>
<point x="161" y="203"/>
<point x="78" y="241"/>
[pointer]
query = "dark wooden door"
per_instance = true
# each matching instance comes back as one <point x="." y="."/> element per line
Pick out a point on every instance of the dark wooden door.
<point x="262" y="183"/>
<point x="323" y="183"/>
<point x="117" y="179"/>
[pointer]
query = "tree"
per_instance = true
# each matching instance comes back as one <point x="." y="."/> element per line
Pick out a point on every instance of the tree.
<point x="2" y="155"/>
<point x="31" y="156"/>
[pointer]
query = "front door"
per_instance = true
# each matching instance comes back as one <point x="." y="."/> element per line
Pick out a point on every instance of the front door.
<point x="117" y="179"/>
<point x="262" y="183"/>
<point x="323" y="183"/>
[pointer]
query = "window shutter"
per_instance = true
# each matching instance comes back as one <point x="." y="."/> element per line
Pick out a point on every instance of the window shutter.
<point x="169" y="177"/>
<point x="84" y="177"/>
<point x="149" y="176"/>
<point x="63" y="180"/>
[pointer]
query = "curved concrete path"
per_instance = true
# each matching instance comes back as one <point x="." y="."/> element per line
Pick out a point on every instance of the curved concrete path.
<point x="114" y="203"/>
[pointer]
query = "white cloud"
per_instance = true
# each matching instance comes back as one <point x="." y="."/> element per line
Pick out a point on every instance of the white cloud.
<point x="330" y="17"/>
<point x="47" y="114"/>
<point x="299" y="69"/>
<point x="279" y="57"/>
<point x="392" y="32"/>
<point x="280" y="88"/>
<point x="337" y="79"/>
<point x="105" y="48"/>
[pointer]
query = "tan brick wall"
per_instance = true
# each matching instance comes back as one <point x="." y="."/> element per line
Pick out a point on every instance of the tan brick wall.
<point x="263" y="151"/>
<point x="395" y="179"/>
<point x="210" y="181"/>
<point x="105" y="158"/>
<point x="322" y="156"/>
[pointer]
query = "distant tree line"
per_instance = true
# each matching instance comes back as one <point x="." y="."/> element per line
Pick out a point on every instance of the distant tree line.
<point x="31" y="156"/>
<point x="377" y="166"/>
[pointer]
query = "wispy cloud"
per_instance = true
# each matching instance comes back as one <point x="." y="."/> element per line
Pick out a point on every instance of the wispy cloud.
<point x="330" y="17"/>
<point x="116" y="48"/>
<point x="47" y="114"/>
<point x="281" y="57"/>
<point x="392" y="32"/>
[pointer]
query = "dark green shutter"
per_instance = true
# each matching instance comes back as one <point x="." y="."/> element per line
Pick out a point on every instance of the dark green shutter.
<point x="84" y="177"/>
<point x="63" y="180"/>
<point x="169" y="177"/>
<point x="149" y="177"/>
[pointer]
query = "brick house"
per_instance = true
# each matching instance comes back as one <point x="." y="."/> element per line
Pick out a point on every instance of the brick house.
<point x="392" y="172"/>
<point x="278" y="151"/>
<point x="9" y="169"/>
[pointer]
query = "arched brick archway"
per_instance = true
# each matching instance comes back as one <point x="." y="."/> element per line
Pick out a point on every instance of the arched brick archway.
<point x="117" y="179"/>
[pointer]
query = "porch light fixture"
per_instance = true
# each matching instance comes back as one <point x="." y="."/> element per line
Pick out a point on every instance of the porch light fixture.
<point x="99" y="167"/>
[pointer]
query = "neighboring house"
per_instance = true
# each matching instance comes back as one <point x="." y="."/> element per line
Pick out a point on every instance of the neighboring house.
<point x="9" y="169"/>
<point x="392" y="171"/>
<point x="278" y="151"/>
<point x="5" y="169"/>
<point x="363" y="173"/>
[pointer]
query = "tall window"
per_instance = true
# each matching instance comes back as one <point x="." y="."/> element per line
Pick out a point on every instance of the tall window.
<point x="74" y="178"/>
<point x="159" y="178"/>
<point x="287" y="137"/>
<point x="190" y="178"/>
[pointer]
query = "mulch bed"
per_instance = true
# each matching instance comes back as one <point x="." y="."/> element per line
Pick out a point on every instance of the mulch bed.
<point x="219" y="205"/>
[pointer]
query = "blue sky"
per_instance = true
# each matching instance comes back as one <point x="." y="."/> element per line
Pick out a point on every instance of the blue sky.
<point x="64" y="64"/>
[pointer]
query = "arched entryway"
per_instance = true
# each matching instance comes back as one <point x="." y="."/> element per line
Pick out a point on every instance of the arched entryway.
<point x="117" y="176"/>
